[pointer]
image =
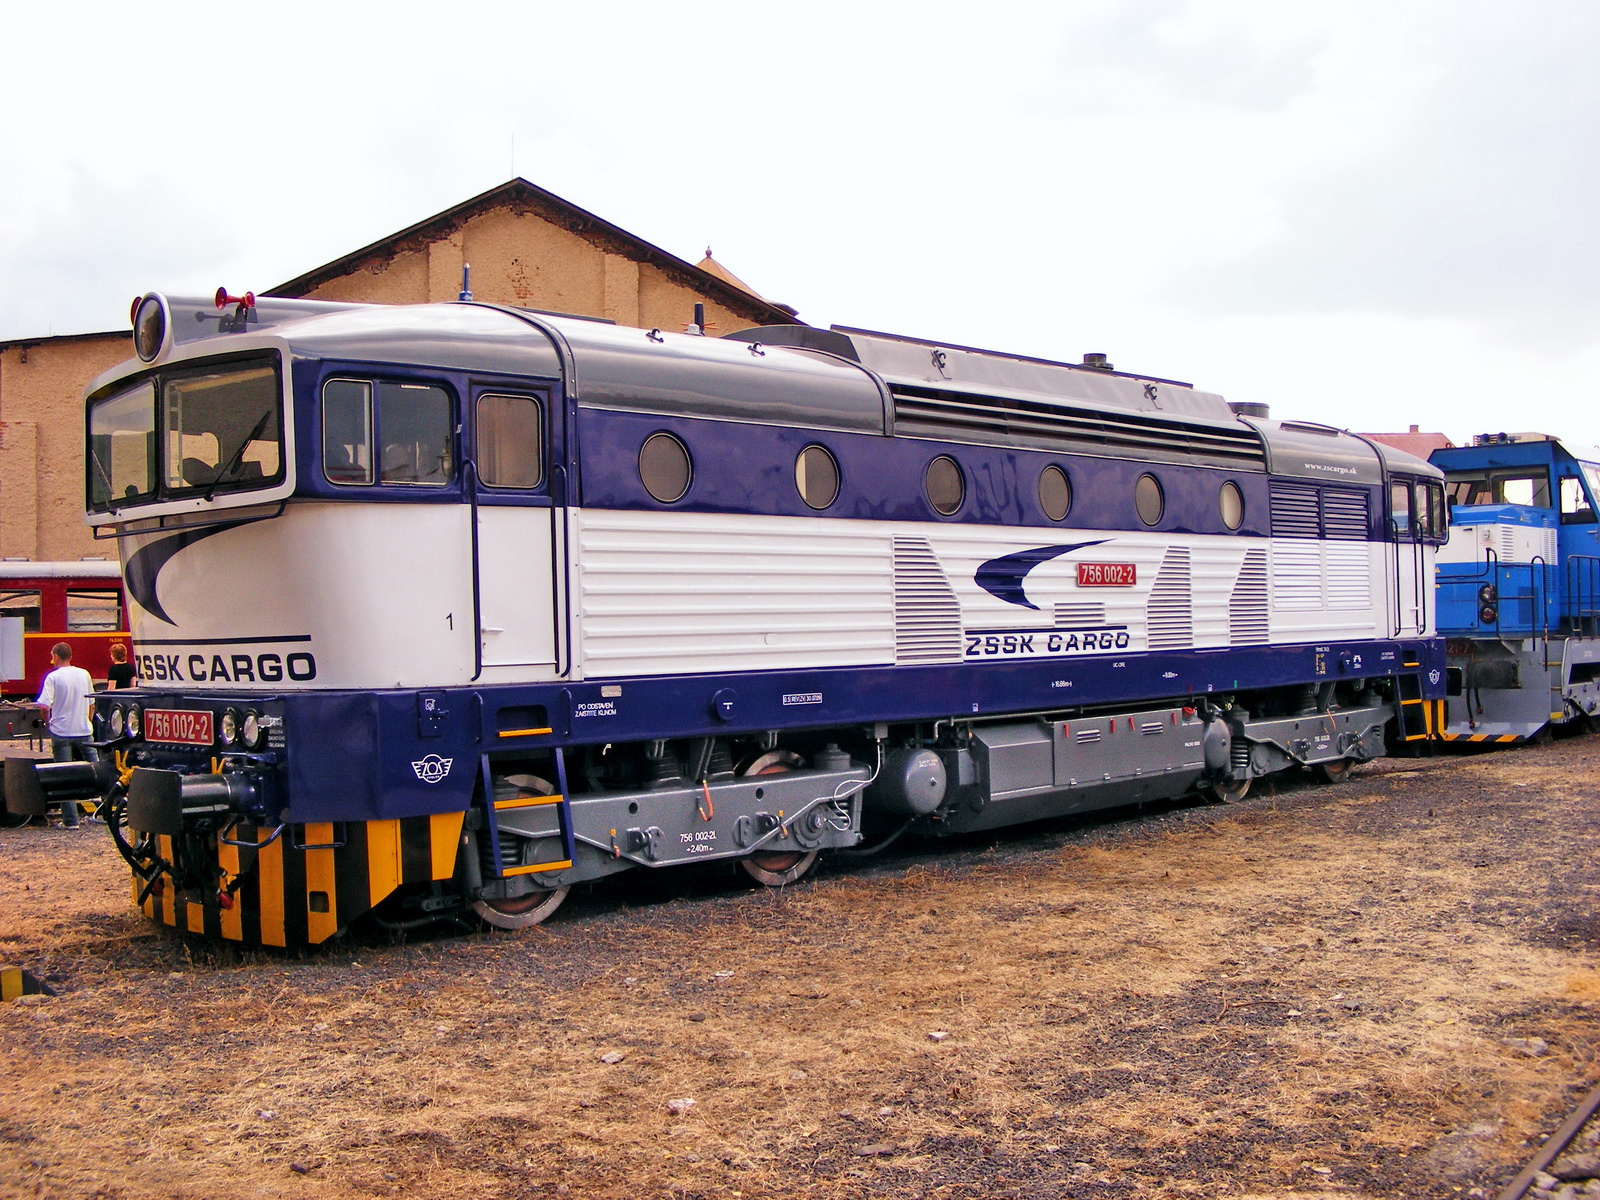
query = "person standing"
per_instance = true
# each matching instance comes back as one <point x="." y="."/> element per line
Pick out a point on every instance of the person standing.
<point x="121" y="673"/>
<point x="65" y="696"/>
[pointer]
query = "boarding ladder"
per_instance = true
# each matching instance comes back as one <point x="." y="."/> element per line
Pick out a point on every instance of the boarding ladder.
<point x="493" y="808"/>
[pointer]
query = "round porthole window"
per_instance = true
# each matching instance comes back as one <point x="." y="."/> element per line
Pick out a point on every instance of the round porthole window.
<point x="664" y="467"/>
<point x="816" y="477"/>
<point x="945" y="485"/>
<point x="1055" y="492"/>
<point x="1230" y="501"/>
<point x="1149" y="500"/>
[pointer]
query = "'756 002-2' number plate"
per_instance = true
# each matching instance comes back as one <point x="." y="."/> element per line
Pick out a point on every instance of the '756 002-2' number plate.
<point x="184" y="726"/>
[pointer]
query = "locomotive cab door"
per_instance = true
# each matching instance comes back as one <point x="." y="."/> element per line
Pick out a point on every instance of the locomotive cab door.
<point x="519" y="569"/>
<point x="1417" y="520"/>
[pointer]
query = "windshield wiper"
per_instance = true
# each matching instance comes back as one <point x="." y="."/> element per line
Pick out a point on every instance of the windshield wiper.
<point x="238" y="455"/>
<point x="111" y="492"/>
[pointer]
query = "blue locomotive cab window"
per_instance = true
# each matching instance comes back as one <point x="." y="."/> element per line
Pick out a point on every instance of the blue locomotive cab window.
<point x="1530" y="488"/>
<point x="383" y="432"/>
<point x="1575" y="506"/>
<point x="510" y="441"/>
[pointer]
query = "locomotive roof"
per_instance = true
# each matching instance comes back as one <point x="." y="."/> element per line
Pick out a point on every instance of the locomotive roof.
<point x="841" y="378"/>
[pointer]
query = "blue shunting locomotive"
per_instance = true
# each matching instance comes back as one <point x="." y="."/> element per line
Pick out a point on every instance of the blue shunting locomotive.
<point x="1519" y="587"/>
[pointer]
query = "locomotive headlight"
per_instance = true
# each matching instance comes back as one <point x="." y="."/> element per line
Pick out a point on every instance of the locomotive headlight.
<point x="228" y="727"/>
<point x="252" y="729"/>
<point x="118" y="720"/>
<point x="1488" y="614"/>
<point x="133" y="721"/>
<point x="1488" y="594"/>
<point x="149" y="326"/>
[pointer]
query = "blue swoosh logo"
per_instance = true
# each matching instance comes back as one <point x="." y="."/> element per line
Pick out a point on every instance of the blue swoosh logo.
<point x="1002" y="577"/>
<point x="144" y="567"/>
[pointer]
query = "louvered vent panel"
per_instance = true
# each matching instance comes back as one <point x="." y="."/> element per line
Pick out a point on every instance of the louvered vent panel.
<point x="927" y="619"/>
<point x="1077" y="616"/>
<point x="1348" y="577"/>
<point x="1170" y="609"/>
<point x="957" y="416"/>
<point x="1506" y="535"/>
<point x="1345" y="514"/>
<point x="1247" y="606"/>
<point x="1294" y="511"/>
<point x="1297" y="577"/>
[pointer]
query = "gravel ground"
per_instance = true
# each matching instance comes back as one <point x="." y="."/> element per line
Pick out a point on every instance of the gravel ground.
<point x="1380" y="989"/>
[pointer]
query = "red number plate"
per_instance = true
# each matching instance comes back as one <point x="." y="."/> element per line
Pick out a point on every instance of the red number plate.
<point x="1107" y="574"/>
<point x="181" y="725"/>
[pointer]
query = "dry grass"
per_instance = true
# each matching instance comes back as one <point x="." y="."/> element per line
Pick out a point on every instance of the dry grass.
<point x="1302" y="996"/>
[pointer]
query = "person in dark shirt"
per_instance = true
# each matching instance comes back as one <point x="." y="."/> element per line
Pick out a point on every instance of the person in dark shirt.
<point x="121" y="673"/>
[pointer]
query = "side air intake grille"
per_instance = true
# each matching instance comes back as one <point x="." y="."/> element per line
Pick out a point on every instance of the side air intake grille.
<point x="1304" y="510"/>
<point x="927" y="619"/>
<point x="1247" y="606"/>
<point x="1076" y="616"/>
<point x="1171" y="605"/>
<point x="1007" y="421"/>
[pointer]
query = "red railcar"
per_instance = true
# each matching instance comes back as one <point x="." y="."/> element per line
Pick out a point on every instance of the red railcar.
<point x="80" y="603"/>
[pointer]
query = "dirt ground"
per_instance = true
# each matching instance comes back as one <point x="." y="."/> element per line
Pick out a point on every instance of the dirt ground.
<point x="1381" y="989"/>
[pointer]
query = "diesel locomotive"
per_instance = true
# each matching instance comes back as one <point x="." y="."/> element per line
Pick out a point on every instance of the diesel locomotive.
<point x="1519" y="588"/>
<point x="442" y="609"/>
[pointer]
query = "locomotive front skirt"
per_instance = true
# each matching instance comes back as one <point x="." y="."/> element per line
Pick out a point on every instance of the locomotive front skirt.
<point x="449" y="607"/>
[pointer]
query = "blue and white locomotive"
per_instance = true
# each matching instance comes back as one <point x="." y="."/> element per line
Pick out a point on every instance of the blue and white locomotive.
<point x="454" y="606"/>
<point x="1519" y="587"/>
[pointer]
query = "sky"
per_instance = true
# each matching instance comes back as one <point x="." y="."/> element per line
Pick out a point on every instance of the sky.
<point x="1374" y="214"/>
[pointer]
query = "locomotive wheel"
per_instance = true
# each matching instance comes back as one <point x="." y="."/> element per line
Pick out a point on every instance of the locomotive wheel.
<point x="1231" y="791"/>
<point x="1336" y="771"/>
<point x="11" y="820"/>
<point x="521" y="912"/>
<point x="777" y="868"/>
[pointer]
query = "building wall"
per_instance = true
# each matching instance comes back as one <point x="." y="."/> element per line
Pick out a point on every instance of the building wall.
<point x="524" y="259"/>
<point x="41" y="444"/>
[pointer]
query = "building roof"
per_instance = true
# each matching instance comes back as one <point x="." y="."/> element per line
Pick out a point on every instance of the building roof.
<point x="520" y="195"/>
<point x="1414" y="442"/>
<point x="712" y="267"/>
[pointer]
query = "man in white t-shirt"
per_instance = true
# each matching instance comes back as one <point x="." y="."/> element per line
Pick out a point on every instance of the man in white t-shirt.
<point x="65" y="696"/>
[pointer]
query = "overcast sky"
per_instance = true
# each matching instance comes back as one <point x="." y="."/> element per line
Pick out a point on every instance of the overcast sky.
<point x="1375" y="213"/>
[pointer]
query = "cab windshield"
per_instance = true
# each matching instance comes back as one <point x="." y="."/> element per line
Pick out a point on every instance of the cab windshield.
<point x="192" y="431"/>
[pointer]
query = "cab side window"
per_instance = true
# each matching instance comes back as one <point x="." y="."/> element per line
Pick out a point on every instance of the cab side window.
<point x="1400" y="508"/>
<point x="382" y="432"/>
<point x="414" y="429"/>
<point x="1575" y="506"/>
<point x="510" y="442"/>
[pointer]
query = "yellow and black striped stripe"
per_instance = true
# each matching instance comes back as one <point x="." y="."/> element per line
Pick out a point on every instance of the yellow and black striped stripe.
<point x="14" y="982"/>
<point x="304" y="891"/>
